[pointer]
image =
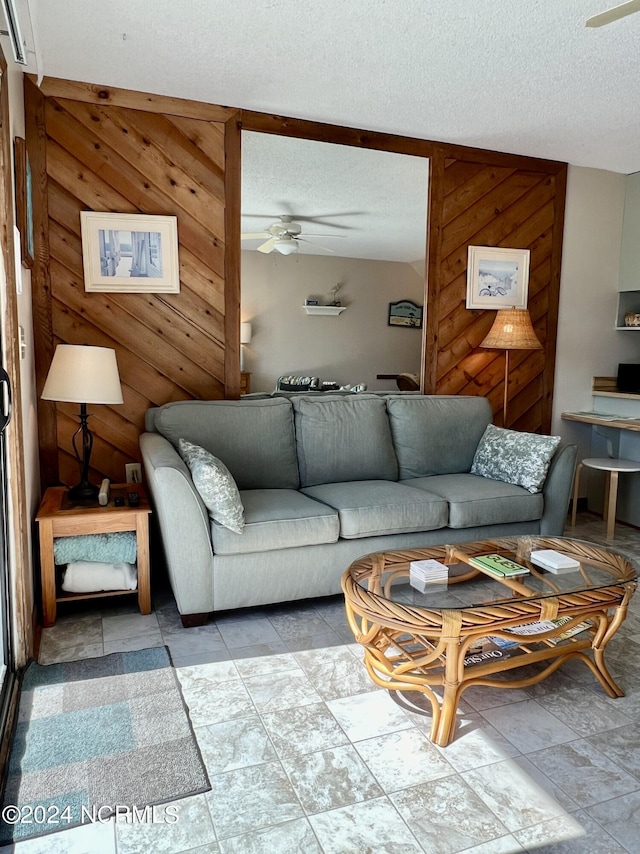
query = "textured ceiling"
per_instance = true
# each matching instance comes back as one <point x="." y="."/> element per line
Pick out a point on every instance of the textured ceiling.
<point x="374" y="203"/>
<point x="515" y="76"/>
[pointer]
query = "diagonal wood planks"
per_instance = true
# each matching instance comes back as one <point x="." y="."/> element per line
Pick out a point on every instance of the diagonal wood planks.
<point x="111" y="157"/>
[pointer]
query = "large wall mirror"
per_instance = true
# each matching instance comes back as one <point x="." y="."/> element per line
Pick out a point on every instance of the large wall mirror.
<point x="333" y="224"/>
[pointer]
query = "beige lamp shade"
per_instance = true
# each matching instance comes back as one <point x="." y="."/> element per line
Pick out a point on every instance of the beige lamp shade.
<point x="81" y="374"/>
<point x="512" y="330"/>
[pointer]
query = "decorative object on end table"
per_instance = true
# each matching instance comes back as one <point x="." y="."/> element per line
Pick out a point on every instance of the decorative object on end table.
<point x="511" y="330"/>
<point x="130" y="253"/>
<point x="497" y="278"/>
<point x="82" y="374"/>
<point x="405" y="313"/>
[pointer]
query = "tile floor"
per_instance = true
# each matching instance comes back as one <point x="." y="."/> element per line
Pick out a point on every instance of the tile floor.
<point x="306" y="755"/>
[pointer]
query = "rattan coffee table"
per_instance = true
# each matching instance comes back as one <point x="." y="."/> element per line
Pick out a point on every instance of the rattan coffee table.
<point x="460" y="632"/>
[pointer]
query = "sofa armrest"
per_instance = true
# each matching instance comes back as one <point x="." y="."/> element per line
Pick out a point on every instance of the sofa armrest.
<point x="557" y="491"/>
<point x="184" y="525"/>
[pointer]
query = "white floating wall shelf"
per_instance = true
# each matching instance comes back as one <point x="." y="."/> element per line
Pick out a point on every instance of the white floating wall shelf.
<point x="327" y="310"/>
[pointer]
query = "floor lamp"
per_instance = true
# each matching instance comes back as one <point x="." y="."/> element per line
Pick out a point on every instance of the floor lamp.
<point x="511" y="330"/>
<point x="80" y="374"/>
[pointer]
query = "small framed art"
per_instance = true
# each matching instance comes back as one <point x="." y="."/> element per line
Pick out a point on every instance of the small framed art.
<point x="405" y="313"/>
<point x="497" y="278"/>
<point x="130" y="253"/>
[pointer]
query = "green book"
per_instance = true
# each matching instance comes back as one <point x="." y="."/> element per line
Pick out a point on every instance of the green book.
<point x="500" y="566"/>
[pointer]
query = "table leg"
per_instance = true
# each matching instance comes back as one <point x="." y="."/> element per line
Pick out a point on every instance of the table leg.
<point x="450" y="688"/>
<point x="611" y="503"/>
<point x="144" y="573"/>
<point x="576" y="487"/>
<point x="47" y="573"/>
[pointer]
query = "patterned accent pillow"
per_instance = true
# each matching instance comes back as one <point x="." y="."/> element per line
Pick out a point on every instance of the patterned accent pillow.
<point x="216" y="485"/>
<point x="514" y="457"/>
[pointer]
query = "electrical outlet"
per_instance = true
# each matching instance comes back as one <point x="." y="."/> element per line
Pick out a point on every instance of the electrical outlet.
<point x="133" y="472"/>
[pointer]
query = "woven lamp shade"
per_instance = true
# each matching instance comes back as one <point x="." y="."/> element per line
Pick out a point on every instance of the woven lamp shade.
<point x="512" y="330"/>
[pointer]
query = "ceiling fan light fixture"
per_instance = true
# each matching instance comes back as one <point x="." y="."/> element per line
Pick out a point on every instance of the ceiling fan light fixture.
<point x="286" y="246"/>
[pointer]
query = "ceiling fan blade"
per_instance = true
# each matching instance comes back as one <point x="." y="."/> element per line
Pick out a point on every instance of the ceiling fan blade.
<point x="313" y="243"/>
<point x="614" y="14"/>
<point x="320" y="219"/>
<point x="268" y="246"/>
<point x="254" y="235"/>
<point x="317" y="234"/>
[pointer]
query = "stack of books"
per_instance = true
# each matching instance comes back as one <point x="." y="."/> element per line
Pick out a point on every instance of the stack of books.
<point x="553" y="561"/>
<point x="423" y="572"/>
<point x="498" y="566"/>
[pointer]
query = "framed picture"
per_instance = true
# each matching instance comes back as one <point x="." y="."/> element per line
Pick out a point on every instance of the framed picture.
<point x="405" y="313"/>
<point x="24" y="204"/>
<point x="130" y="253"/>
<point x="497" y="278"/>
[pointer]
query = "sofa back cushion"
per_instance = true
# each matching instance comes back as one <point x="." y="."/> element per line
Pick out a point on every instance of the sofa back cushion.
<point x="343" y="438"/>
<point x="436" y="434"/>
<point x="253" y="438"/>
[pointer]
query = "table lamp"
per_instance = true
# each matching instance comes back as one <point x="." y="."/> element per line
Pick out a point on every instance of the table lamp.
<point x="511" y="330"/>
<point x="82" y="374"/>
<point x="245" y="338"/>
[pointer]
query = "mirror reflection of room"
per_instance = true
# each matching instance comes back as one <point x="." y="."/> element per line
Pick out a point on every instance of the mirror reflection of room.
<point x="332" y="235"/>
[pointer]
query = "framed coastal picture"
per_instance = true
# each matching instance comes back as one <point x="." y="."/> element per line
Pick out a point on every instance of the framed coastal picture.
<point x="24" y="201"/>
<point x="405" y="313"/>
<point x="497" y="278"/>
<point x="130" y="253"/>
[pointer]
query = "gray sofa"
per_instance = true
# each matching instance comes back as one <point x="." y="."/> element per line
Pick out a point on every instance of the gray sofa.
<point x="325" y="479"/>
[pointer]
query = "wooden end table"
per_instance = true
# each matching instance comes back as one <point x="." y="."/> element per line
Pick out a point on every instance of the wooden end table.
<point x="416" y="641"/>
<point x="58" y="517"/>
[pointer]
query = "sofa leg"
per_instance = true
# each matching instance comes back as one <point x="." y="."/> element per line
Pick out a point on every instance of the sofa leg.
<point x="190" y="621"/>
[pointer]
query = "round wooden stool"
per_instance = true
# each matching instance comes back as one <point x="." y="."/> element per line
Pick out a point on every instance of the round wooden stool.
<point x="613" y="467"/>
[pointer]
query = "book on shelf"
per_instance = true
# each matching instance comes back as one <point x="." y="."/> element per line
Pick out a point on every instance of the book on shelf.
<point x="569" y="633"/>
<point x="541" y="626"/>
<point x="483" y="651"/>
<point x="501" y="567"/>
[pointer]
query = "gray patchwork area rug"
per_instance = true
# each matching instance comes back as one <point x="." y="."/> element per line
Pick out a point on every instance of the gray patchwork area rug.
<point x="96" y="734"/>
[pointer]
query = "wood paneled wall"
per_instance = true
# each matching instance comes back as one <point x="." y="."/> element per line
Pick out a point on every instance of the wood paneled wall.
<point x="98" y="148"/>
<point x="495" y="203"/>
<point x="106" y="150"/>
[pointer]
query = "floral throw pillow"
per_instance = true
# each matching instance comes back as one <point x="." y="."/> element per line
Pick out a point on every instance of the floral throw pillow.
<point x="215" y="484"/>
<point x="514" y="457"/>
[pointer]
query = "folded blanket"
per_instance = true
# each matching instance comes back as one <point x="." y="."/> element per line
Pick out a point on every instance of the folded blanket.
<point x="86" y="576"/>
<point x="110" y="548"/>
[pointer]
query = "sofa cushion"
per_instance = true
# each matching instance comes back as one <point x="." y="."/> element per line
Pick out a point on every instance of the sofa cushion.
<point x="343" y="439"/>
<point x="436" y="434"/>
<point x="515" y="457"/>
<point x="253" y="438"/>
<point x="369" y="507"/>
<point x="477" y="500"/>
<point x="216" y="486"/>
<point x="277" y="519"/>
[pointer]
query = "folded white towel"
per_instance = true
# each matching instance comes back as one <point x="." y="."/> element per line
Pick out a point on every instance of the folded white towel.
<point x="86" y="576"/>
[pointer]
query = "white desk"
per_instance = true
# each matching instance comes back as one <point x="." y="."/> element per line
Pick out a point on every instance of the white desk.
<point x="615" y="432"/>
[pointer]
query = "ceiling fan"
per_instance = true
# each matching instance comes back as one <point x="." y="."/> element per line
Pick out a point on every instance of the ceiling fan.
<point x="284" y="236"/>
<point x="614" y="14"/>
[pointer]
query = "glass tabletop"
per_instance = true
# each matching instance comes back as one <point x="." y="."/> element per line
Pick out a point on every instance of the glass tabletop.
<point x="465" y="587"/>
